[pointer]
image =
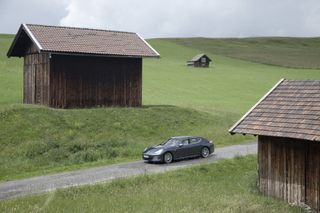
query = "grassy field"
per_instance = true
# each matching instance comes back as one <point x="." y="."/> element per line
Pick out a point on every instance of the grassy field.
<point x="287" y="52"/>
<point x="228" y="86"/>
<point x="10" y="75"/>
<point x="227" y="186"/>
<point x="178" y="100"/>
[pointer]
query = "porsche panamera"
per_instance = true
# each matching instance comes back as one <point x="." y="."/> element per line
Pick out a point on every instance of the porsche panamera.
<point x="179" y="147"/>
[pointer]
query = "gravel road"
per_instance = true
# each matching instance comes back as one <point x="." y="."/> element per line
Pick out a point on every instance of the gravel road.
<point x="46" y="183"/>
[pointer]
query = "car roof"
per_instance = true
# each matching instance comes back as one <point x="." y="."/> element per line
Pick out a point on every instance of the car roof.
<point x="184" y="137"/>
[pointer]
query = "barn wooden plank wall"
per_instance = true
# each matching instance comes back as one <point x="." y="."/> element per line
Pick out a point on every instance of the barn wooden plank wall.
<point x="289" y="169"/>
<point x="313" y="175"/>
<point x="200" y="64"/>
<point x="95" y="81"/>
<point x="36" y="77"/>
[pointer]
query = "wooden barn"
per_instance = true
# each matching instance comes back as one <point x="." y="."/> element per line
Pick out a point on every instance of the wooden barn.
<point x="201" y="60"/>
<point x="66" y="67"/>
<point x="287" y="123"/>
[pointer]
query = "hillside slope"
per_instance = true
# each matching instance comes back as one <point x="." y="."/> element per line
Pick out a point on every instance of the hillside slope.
<point x="229" y="85"/>
<point x="36" y="140"/>
<point x="287" y="52"/>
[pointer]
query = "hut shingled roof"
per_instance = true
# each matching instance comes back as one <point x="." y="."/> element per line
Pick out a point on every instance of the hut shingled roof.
<point x="290" y="109"/>
<point x="72" y="40"/>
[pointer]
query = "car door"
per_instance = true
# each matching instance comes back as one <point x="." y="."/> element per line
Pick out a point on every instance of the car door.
<point x="194" y="146"/>
<point x="183" y="149"/>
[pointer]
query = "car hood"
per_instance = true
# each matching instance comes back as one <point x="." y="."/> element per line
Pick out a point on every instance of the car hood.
<point x="152" y="149"/>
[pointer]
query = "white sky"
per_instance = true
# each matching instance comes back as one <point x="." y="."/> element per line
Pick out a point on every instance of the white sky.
<point x="170" y="18"/>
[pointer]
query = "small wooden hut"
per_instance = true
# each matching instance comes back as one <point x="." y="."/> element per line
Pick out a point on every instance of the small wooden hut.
<point x="68" y="67"/>
<point x="287" y="122"/>
<point x="201" y="60"/>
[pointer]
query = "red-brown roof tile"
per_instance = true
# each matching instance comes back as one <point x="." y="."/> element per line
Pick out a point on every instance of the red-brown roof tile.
<point x="73" y="40"/>
<point x="291" y="109"/>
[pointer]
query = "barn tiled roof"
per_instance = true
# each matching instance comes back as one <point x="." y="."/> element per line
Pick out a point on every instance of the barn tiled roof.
<point x="197" y="57"/>
<point x="291" y="109"/>
<point x="73" y="40"/>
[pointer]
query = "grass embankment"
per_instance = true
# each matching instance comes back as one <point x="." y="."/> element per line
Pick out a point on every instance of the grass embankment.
<point x="281" y="51"/>
<point x="39" y="140"/>
<point x="227" y="186"/>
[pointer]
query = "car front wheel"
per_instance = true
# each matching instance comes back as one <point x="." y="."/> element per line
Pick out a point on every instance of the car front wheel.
<point x="167" y="157"/>
<point x="205" y="152"/>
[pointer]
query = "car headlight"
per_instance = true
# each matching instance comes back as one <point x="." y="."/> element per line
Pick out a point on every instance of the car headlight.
<point x="158" y="152"/>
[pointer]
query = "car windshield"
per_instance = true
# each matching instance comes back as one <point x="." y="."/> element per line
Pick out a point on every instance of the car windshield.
<point x="171" y="142"/>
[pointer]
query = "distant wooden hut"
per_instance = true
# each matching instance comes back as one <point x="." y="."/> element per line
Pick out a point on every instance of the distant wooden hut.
<point x="201" y="60"/>
<point x="287" y="122"/>
<point x="68" y="67"/>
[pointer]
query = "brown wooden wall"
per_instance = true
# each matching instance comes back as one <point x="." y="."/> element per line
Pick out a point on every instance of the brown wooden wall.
<point x="289" y="169"/>
<point x="313" y="175"/>
<point x="36" y="77"/>
<point x="78" y="81"/>
<point x="200" y="64"/>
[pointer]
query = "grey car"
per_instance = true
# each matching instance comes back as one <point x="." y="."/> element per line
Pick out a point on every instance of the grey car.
<point x="180" y="147"/>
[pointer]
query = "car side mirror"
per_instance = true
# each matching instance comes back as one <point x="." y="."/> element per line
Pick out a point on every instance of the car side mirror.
<point x="180" y="145"/>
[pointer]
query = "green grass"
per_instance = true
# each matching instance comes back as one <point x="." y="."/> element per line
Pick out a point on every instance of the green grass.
<point x="228" y="86"/>
<point x="227" y="186"/>
<point x="178" y="100"/>
<point x="281" y="51"/>
<point x="10" y="74"/>
<point x="38" y="140"/>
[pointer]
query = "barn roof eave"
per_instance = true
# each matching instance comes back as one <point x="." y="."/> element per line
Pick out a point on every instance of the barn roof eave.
<point x="157" y="54"/>
<point x="13" y="44"/>
<point x="314" y="138"/>
<point x="33" y="38"/>
<point x="231" y="130"/>
<point x="23" y="27"/>
<point x="96" y="55"/>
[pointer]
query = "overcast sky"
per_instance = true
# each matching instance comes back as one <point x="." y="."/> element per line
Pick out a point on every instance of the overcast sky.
<point x="170" y="18"/>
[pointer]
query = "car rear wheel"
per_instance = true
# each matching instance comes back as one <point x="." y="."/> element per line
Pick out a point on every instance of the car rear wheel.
<point x="167" y="157"/>
<point x="205" y="152"/>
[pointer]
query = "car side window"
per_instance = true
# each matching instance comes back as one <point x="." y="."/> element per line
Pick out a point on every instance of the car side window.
<point x="185" y="142"/>
<point x="194" y="140"/>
